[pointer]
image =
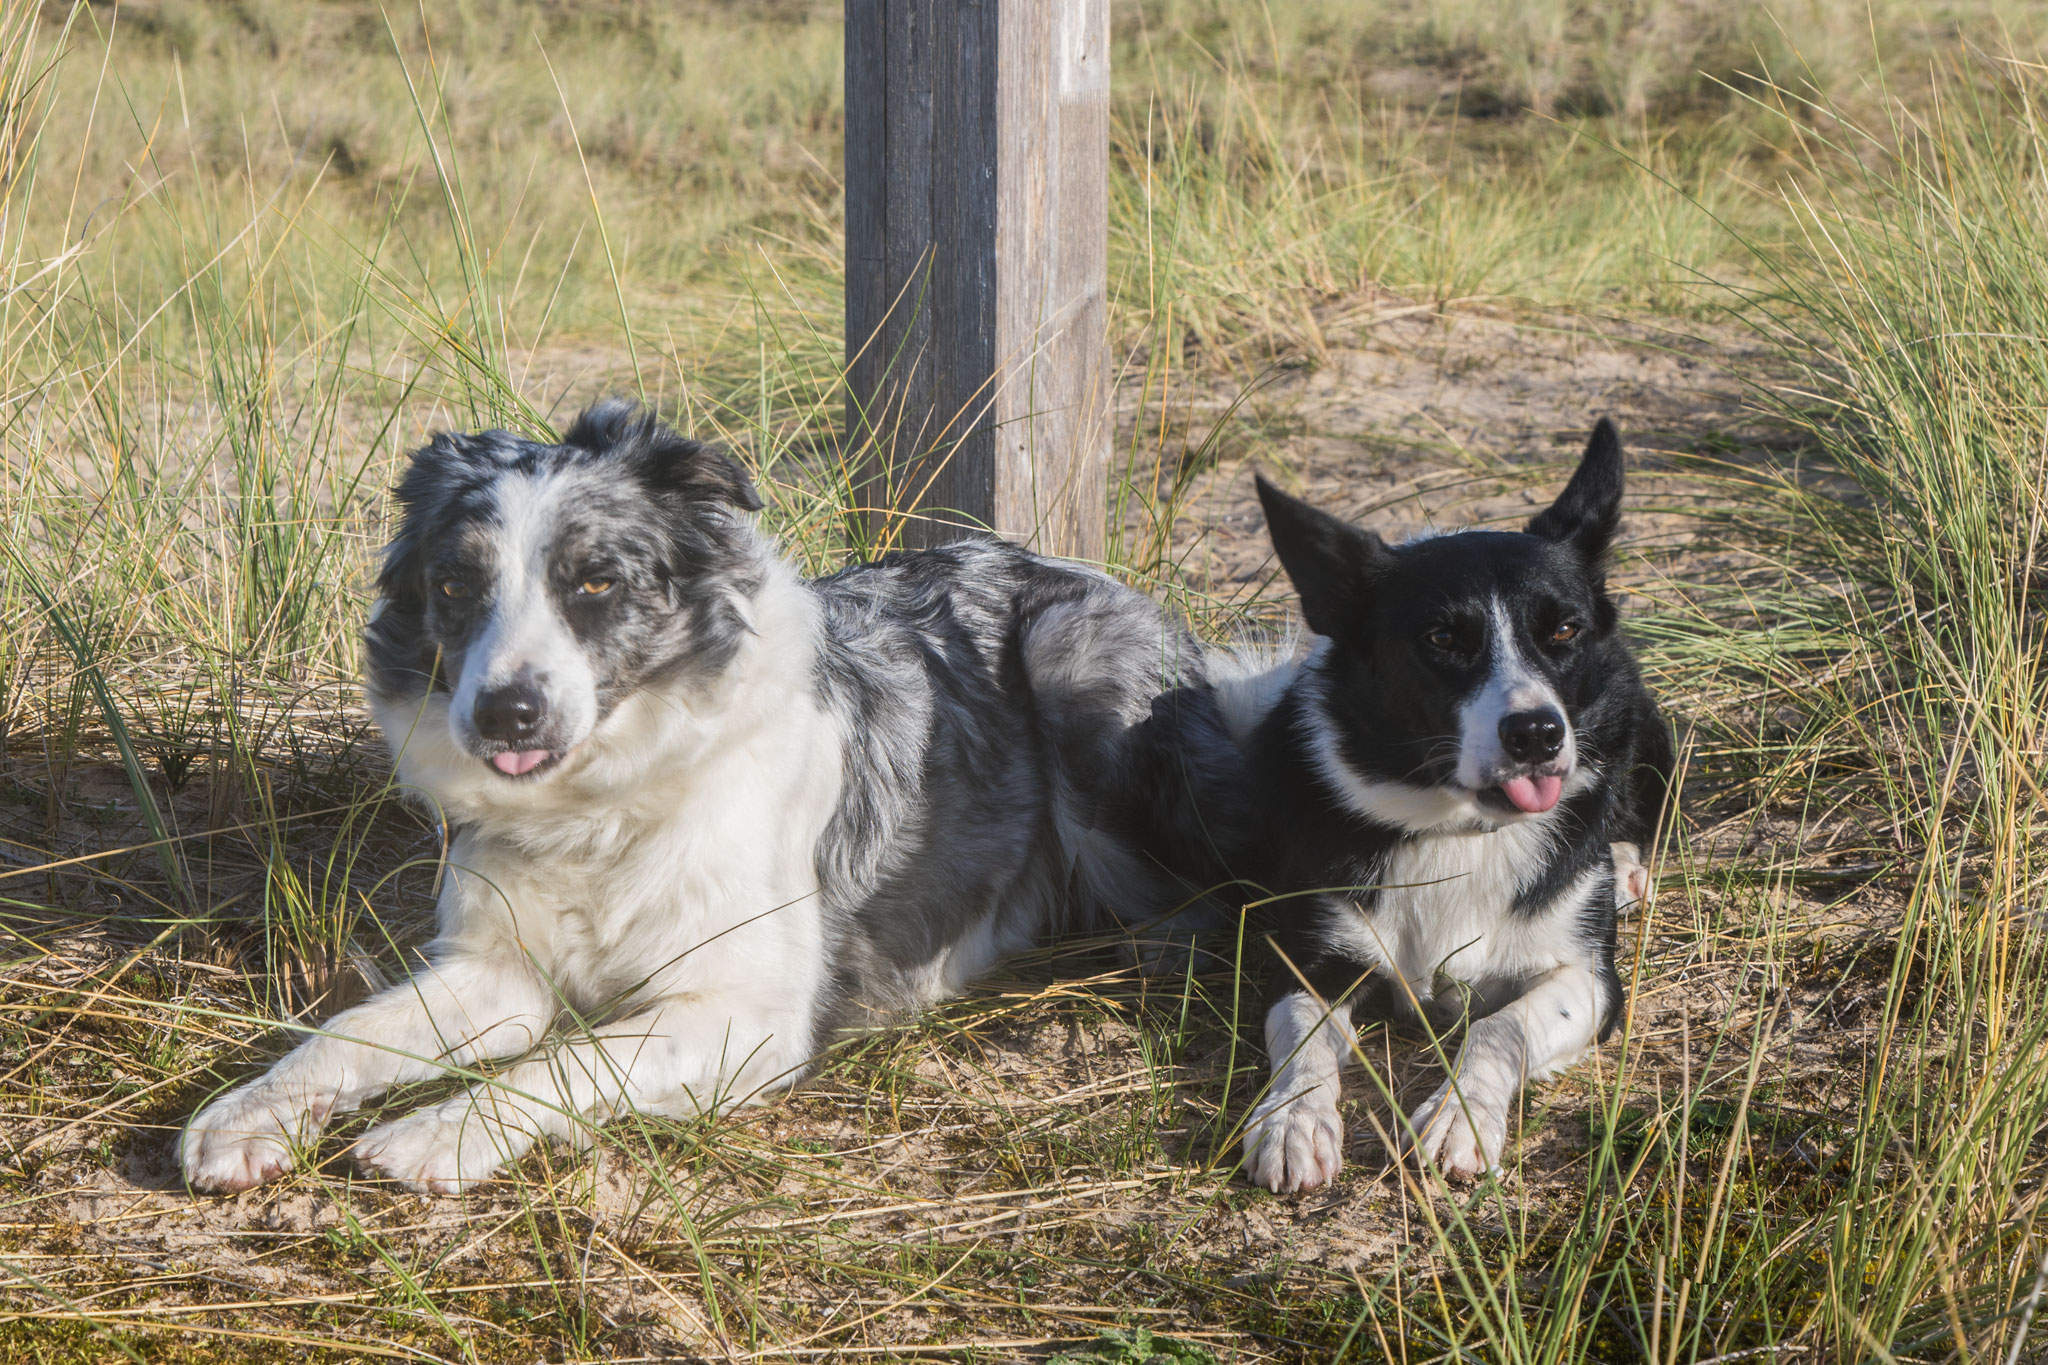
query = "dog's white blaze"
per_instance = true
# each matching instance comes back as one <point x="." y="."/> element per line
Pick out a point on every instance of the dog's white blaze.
<point x="525" y="632"/>
<point x="1512" y="686"/>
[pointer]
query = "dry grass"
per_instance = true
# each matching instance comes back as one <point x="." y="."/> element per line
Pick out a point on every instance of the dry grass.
<point x="249" y="254"/>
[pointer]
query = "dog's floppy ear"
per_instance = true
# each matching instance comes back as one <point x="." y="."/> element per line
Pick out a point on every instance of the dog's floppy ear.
<point x="666" y="461"/>
<point x="1586" y="514"/>
<point x="433" y="477"/>
<point x="1332" y="563"/>
<point x="401" y="659"/>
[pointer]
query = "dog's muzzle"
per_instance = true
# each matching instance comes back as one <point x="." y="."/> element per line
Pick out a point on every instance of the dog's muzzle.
<point x="1533" y="739"/>
<point x="514" y="716"/>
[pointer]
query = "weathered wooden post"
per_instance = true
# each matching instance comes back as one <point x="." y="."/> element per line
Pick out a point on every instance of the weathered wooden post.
<point x="977" y="229"/>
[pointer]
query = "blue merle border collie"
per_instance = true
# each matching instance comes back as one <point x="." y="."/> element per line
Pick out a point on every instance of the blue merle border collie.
<point x="1460" y="779"/>
<point x="710" y="811"/>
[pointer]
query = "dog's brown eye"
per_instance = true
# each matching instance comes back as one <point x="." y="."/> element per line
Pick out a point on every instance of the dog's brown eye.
<point x="454" y="587"/>
<point x="1565" y="633"/>
<point x="594" y="587"/>
<point x="1441" y="638"/>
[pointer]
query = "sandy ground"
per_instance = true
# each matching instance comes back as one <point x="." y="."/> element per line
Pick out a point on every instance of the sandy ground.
<point x="1431" y="423"/>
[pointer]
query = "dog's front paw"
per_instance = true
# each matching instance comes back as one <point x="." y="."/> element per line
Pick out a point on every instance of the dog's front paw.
<point x="443" y="1150"/>
<point x="1295" y="1143"/>
<point x="1464" y="1137"/>
<point x="248" y="1136"/>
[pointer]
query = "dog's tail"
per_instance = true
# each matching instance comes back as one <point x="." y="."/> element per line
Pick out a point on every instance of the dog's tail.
<point x="1250" y="676"/>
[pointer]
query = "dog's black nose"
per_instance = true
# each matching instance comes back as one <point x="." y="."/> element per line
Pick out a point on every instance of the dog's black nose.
<point x="1532" y="736"/>
<point x="510" y="714"/>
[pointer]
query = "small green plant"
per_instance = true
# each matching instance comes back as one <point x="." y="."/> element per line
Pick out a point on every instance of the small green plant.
<point x="1138" y="1346"/>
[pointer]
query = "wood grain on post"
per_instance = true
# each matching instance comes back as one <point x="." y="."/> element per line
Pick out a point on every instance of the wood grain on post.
<point x="977" y="232"/>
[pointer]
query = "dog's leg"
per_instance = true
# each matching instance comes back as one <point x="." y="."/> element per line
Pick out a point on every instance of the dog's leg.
<point x="679" y="1057"/>
<point x="450" y="1014"/>
<point x="1464" y="1125"/>
<point x="1295" y="1138"/>
<point x="1631" y="875"/>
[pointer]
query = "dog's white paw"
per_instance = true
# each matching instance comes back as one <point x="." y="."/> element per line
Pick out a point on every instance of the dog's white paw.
<point x="248" y="1136"/>
<point x="1465" y="1138"/>
<point x="443" y="1150"/>
<point x="1296" y="1143"/>
<point x="1631" y="875"/>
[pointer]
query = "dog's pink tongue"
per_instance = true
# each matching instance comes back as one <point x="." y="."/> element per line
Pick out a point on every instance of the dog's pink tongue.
<point x="512" y="764"/>
<point x="1533" y="794"/>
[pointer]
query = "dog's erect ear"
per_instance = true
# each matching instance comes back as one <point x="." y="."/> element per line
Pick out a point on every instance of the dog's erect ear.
<point x="1332" y="563"/>
<point x="1586" y="514"/>
<point x="666" y="461"/>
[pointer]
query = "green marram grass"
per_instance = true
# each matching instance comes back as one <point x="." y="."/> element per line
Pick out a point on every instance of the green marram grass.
<point x="249" y="254"/>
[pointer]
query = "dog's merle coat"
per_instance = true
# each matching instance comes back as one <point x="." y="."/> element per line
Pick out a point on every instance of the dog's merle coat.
<point x="1452" y="777"/>
<point x="710" y="810"/>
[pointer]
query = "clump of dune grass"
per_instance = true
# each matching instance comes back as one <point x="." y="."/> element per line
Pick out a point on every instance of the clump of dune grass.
<point x="1914" y="309"/>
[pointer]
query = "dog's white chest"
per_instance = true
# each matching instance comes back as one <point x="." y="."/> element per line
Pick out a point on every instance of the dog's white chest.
<point x="709" y="878"/>
<point x="1446" y="908"/>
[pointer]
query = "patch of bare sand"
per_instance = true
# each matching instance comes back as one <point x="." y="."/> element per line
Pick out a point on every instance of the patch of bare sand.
<point x="1432" y="422"/>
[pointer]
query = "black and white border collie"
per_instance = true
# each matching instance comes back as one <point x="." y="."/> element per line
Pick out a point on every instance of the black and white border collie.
<point x="1457" y="777"/>
<point x="708" y="811"/>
